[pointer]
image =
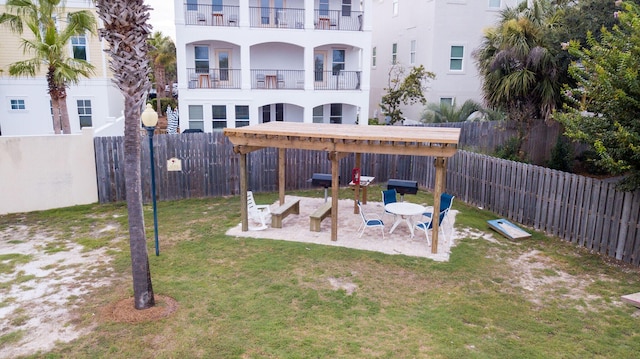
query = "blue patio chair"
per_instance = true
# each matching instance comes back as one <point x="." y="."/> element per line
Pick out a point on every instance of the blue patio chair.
<point x="369" y="222"/>
<point x="446" y="201"/>
<point x="389" y="196"/>
<point x="426" y="226"/>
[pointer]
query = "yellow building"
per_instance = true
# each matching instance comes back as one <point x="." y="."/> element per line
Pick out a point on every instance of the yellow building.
<point x="25" y="103"/>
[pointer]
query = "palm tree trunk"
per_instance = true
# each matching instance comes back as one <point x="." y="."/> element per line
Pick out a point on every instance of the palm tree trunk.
<point x="160" y="85"/>
<point x="142" y="287"/>
<point x="55" y="109"/>
<point x="64" y="114"/>
<point x="125" y="28"/>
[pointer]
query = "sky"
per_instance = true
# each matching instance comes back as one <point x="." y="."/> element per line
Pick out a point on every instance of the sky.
<point x="162" y="17"/>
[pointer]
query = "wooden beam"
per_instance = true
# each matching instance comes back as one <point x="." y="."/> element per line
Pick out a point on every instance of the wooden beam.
<point x="357" y="185"/>
<point x="335" y="173"/>
<point x="394" y="148"/>
<point x="246" y="149"/>
<point x="282" y="152"/>
<point x="337" y="155"/>
<point x="243" y="192"/>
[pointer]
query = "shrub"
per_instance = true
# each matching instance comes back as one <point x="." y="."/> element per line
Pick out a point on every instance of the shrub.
<point x="165" y="101"/>
<point x="510" y="150"/>
<point x="561" y="155"/>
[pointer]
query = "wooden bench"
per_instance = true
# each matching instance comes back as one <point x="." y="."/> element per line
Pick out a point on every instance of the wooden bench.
<point x="316" y="217"/>
<point x="281" y="212"/>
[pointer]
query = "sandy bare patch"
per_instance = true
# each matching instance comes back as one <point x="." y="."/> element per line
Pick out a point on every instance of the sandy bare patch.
<point x="539" y="276"/>
<point x="39" y="305"/>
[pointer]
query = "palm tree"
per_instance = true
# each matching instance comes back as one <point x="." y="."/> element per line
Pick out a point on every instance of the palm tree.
<point x="126" y="30"/>
<point x="444" y="112"/>
<point x="162" y="56"/>
<point x="48" y="45"/>
<point x="518" y="61"/>
<point x="520" y="64"/>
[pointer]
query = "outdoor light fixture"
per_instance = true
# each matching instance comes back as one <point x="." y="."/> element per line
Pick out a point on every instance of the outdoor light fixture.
<point x="150" y="120"/>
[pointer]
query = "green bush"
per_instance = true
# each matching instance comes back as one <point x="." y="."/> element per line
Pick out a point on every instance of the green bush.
<point x="561" y="155"/>
<point x="510" y="150"/>
<point x="587" y="161"/>
<point x="165" y="101"/>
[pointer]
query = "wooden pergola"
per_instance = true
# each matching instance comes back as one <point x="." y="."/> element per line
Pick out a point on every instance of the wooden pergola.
<point x="339" y="141"/>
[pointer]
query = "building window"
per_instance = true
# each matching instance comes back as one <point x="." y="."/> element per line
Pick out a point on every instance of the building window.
<point x="266" y="113"/>
<point x="448" y="101"/>
<point x="394" y="53"/>
<point x="346" y="8"/>
<point x="318" y="114"/>
<point x="374" y="56"/>
<point x="323" y="7"/>
<point x="336" y="113"/>
<point x="265" y="11"/>
<point x="18" y="104"/>
<point x="279" y="112"/>
<point x="219" y="117"/>
<point x="395" y="7"/>
<point x="84" y="113"/>
<point x="318" y="66"/>
<point x="196" y="117"/>
<point x="242" y="116"/>
<point x="338" y="62"/>
<point x="192" y="4"/>
<point x="455" y="63"/>
<point x="412" y="54"/>
<point x="201" y="59"/>
<point x="217" y="5"/>
<point x="79" y="47"/>
<point x="494" y="4"/>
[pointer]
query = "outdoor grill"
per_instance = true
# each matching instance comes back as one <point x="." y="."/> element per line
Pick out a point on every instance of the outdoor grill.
<point x="322" y="180"/>
<point x="403" y="187"/>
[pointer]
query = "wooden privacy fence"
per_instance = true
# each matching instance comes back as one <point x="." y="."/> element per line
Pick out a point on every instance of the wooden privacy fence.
<point x="587" y="212"/>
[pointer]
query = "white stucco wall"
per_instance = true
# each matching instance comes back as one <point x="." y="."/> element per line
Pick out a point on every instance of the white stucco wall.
<point x="44" y="172"/>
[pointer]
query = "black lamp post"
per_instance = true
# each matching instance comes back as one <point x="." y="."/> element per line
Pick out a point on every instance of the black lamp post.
<point x="150" y="120"/>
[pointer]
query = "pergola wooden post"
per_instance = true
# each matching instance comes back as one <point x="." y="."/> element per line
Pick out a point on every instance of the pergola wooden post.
<point x="441" y="169"/>
<point x="335" y="186"/>
<point x="243" y="192"/>
<point x="282" y="152"/>
<point x="339" y="141"/>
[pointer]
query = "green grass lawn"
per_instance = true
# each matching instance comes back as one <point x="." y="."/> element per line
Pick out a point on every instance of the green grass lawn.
<point x="253" y="298"/>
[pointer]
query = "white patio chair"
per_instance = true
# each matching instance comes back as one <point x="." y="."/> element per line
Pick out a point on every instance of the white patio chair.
<point x="257" y="212"/>
<point x="369" y="222"/>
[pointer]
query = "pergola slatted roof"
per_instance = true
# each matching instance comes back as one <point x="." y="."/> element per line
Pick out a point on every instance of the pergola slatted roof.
<point x="340" y="140"/>
<point x="422" y="141"/>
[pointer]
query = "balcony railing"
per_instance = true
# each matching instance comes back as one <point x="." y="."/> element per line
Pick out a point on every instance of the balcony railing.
<point x="336" y="80"/>
<point x="272" y="79"/>
<point x="211" y="15"/>
<point x="272" y="17"/>
<point x="287" y="18"/>
<point x="277" y="79"/>
<point x="214" y="78"/>
<point x="338" y="20"/>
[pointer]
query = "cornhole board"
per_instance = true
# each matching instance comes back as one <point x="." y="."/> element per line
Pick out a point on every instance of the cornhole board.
<point x="633" y="299"/>
<point x="508" y="229"/>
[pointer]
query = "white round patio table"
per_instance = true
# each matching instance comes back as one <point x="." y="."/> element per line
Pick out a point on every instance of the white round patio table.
<point x="404" y="211"/>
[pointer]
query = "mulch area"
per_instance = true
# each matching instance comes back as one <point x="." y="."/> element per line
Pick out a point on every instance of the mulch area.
<point x="123" y="311"/>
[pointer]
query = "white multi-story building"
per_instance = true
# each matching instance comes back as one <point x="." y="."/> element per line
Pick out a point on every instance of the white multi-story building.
<point x="244" y="62"/>
<point x="439" y="34"/>
<point x="25" y="103"/>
